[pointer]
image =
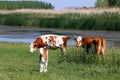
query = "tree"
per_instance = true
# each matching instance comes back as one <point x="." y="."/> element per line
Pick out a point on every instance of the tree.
<point x="98" y="3"/>
<point x="112" y="2"/>
<point x="118" y="3"/>
<point x="105" y="3"/>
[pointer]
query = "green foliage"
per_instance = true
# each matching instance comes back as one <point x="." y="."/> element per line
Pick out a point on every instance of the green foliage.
<point x="117" y="3"/>
<point x="12" y="5"/>
<point x="16" y="63"/>
<point x="99" y="3"/>
<point x="112" y="2"/>
<point x="103" y="21"/>
<point x="79" y="56"/>
<point x="107" y="3"/>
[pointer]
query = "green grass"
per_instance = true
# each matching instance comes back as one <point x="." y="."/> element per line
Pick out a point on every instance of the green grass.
<point x="16" y="63"/>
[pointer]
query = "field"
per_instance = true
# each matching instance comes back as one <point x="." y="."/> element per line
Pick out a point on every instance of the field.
<point x="16" y="63"/>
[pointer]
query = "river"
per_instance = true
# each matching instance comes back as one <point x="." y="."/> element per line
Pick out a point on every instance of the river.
<point x="28" y="36"/>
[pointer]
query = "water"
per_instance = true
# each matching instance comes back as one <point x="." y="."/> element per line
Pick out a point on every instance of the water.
<point x="30" y="36"/>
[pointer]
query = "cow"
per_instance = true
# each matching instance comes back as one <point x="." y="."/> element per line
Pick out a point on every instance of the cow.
<point x="88" y="42"/>
<point x="45" y="42"/>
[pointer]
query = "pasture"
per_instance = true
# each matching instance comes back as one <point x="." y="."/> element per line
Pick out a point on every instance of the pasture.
<point x="16" y="63"/>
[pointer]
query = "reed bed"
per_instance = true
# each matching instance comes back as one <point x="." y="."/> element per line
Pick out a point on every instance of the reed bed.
<point x="77" y="21"/>
<point x="63" y="11"/>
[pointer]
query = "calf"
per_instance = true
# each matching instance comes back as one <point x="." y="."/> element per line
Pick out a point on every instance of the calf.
<point x="88" y="42"/>
<point x="51" y="41"/>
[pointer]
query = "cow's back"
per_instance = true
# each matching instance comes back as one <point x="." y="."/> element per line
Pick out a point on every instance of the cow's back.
<point x="54" y="41"/>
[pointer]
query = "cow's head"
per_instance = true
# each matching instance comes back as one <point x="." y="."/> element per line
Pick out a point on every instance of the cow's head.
<point x="32" y="47"/>
<point x="78" y="41"/>
<point x="37" y="44"/>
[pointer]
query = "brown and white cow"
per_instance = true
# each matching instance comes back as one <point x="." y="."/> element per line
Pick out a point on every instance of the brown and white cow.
<point x="51" y="41"/>
<point x="87" y="42"/>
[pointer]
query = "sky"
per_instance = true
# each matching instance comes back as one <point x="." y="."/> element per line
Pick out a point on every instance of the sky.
<point x="61" y="4"/>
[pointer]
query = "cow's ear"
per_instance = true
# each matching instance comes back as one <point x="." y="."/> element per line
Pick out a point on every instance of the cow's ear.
<point x="35" y="45"/>
<point x="83" y="39"/>
<point x="74" y="38"/>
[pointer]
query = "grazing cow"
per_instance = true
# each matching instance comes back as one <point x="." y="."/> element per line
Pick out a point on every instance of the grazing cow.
<point x="51" y="41"/>
<point x="88" y="42"/>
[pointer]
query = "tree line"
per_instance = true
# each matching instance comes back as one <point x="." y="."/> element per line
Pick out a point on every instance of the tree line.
<point x="107" y="3"/>
<point x="12" y="5"/>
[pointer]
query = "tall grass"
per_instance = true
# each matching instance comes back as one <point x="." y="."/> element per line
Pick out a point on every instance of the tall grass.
<point x="76" y="21"/>
<point x="16" y="63"/>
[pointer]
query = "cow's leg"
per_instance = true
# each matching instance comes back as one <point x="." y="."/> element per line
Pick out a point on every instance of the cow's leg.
<point x="62" y="56"/>
<point x="63" y="50"/>
<point x="41" y="65"/>
<point x="99" y="57"/>
<point x="88" y="46"/>
<point x="43" y="59"/>
<point x="45" y="66"/>
<point x="46" y="61"/>
<point x="102" y="58"/>
<point x="98" y="49"/>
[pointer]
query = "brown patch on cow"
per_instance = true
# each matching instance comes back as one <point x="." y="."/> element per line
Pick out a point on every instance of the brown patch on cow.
<point x="100" y="44"/>
<point x="38" y="43"/>
<point x="65" y="41"/>
<point x="45" y="54"/>
<point x="46" y="37"/>
<point x="88" y="40"/>
<point x="87" y="43"/>
<point x="52" y="39"/>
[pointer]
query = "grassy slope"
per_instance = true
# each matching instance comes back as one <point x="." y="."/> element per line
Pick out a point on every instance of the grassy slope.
<point x="17" y="64"/>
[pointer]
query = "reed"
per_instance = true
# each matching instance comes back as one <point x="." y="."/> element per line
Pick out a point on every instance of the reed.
<point x="77" y="21"/>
